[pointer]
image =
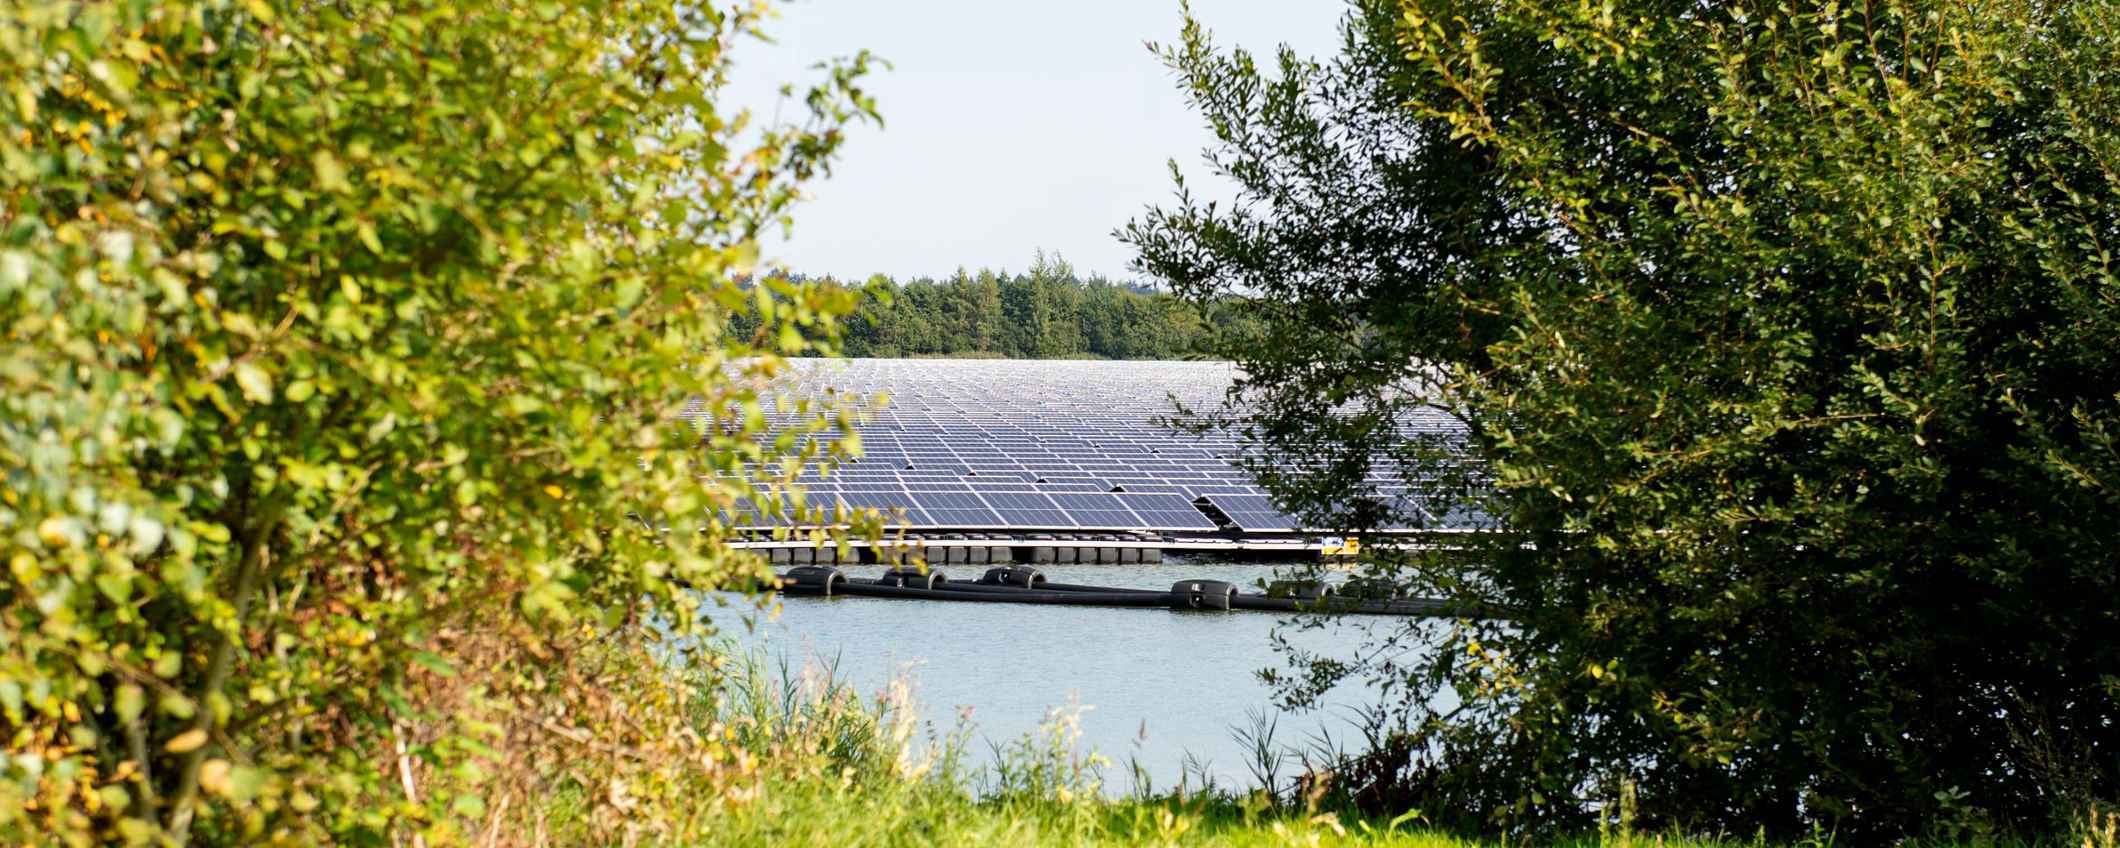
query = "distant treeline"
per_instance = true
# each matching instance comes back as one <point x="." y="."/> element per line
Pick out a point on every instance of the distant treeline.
<point x="1046" y="313"/>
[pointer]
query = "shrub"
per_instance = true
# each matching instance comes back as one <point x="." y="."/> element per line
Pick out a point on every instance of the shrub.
<point x="1784" y="338"/>
<point x="339" y="338"/>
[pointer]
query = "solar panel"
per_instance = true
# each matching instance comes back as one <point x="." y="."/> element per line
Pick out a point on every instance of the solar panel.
<point x="897" y="507"/>
<point x="1073" y="487"/>
<point x="1253" y="512"/>
<point x="1000" y="444"/>
<point x="746" y="514"/>
<point x="1167" y="512"/>
<point x="1027" y="509"/>
<point x="956" y="509"/>
<point x="1101" y="510"/>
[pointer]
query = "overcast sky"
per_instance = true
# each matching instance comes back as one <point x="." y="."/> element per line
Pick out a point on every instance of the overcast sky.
<point x="1008" y="126"/>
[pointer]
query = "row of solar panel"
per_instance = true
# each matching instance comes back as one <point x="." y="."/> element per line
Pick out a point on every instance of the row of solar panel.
<point x="1105" y="478"/>
<point x="1032" y="511"/>
<point x="1054" y="445"/>
<point x="1028" y="510"/>
<point x="1139" y="487"/>
<point x="1039" y="420"/>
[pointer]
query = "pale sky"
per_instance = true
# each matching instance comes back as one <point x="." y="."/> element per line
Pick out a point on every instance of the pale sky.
<point x="1008" y="126"/>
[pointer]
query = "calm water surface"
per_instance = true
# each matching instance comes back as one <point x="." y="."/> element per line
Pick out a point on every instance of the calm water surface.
<point x="1161" y="688"/>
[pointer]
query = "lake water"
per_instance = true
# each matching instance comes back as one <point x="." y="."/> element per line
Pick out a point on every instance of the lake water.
<point x="1163" y="689"/>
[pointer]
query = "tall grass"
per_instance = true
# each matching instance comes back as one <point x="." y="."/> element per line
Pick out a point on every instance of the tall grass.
<point x="707" y="747"/>
<point x="841" y="769"/>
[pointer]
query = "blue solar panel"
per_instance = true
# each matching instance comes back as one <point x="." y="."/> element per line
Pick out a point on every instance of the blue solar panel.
<point x="955" y="509"/>
<point x="1253" y="512"/>
<point x="1072" y="487"/>
<point x="744" y="513"/>
<point x="897" y="507"/>
<point x="1027" y="509"/>
<point x="1100" y="510"/>
<point x="1069" y="430"/>
<point x="1167" y="512"/>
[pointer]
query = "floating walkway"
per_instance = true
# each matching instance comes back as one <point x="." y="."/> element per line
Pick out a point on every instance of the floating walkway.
<point x="1021" y="584"/>
<point x="1060" y="549"/>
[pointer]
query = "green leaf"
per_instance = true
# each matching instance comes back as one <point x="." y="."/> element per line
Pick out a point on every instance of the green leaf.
<point x="255" y="383"/>
<point x="244" y="782"/>
<point x="331" y="174"/>
<point x="11" y="699"/>
<point x="116" y="587"/>
<point x="14" y="270"/>
<point x="131" y="699"/>
<point x="434" y="662"/>
<point x="468" y="806"/>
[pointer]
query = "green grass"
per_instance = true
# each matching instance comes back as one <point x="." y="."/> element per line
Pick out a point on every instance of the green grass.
<point x="891" y="813"/>
<point x="912" y="813"/>
<point x="780" y="756"/>
<point x="838" y="770"/>
<point x="775" y="756"/>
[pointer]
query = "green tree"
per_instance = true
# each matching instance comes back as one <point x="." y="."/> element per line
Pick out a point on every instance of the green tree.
<point x="927" y="323"/>
<point x="1048" y="313"/>
<point x="983" y="304"/>
<point x="1783" y="336"/>
<point x="1023" y="318"/>
<point x="327" y="322"/>
<point x="1055" y="329"/>
<point x="1105" y="322"/>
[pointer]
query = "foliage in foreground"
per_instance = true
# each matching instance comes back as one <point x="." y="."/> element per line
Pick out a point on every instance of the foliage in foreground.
<point x="741" y="753"/>
<point x="797" y="757"/>
<point x="339" y="337"/>
<point x="1785" y="336"/>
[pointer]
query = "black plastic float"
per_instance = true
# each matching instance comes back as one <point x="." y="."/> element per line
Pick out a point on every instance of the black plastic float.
<point x="912" y="578"/>
<point x="812" y="580"/>
<point x="1013" y="575"/>
<point x="1021" y="584"/>
<point x="1202" y="594"/>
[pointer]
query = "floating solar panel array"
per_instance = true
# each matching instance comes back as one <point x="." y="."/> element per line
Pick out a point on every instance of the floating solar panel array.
<point x="1024" y="446"/>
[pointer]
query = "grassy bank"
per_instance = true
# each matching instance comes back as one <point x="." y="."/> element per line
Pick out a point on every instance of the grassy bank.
<point x="812" y="762"/>
<point x="839" y="769"/>
<point x="646" y="746"/>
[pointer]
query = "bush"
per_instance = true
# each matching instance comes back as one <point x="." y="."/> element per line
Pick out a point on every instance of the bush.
<point x="1784" y="336"/>
<point x="340" y="337"/>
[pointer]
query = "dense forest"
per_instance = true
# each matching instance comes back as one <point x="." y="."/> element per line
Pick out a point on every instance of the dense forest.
<point x="1048" y="312"/>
